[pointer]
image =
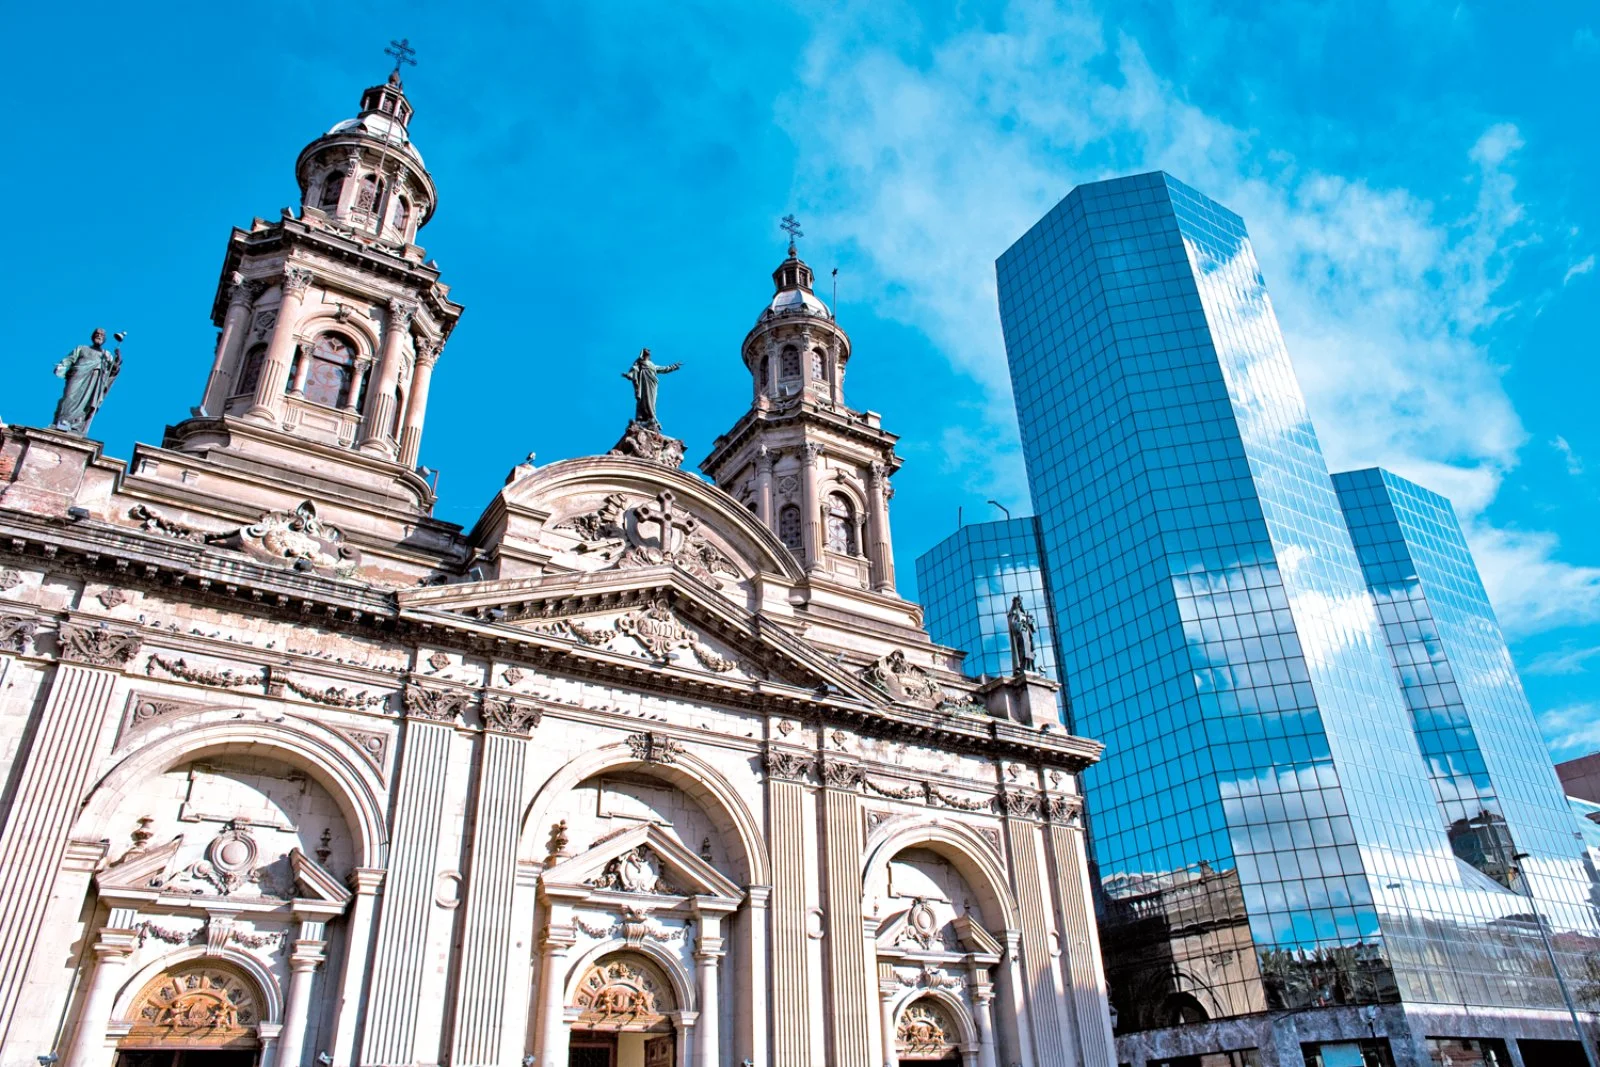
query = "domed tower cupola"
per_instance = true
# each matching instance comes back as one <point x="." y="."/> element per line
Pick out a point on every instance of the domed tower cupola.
<point x="795" y="349"/>
<point x="365" y="176"/>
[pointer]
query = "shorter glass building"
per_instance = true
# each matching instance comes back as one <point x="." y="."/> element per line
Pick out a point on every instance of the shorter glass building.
<point x="966" y="583"/>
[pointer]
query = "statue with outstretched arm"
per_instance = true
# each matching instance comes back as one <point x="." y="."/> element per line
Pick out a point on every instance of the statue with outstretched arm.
<point x="646" y="379"/>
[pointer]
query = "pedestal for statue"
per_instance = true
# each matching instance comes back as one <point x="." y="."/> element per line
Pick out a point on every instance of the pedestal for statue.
<point x="42" y="470"/>
<point x="1029" y="699"/>
<point x="646" y="441"/>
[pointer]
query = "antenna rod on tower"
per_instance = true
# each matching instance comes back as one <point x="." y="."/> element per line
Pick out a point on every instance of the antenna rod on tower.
<point x="836" y="295"/>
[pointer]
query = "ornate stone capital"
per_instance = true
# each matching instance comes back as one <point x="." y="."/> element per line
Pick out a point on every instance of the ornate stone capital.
<point x="876" y="473"/>
<point x="296" y="280"/>
<point x="650" y="747"/>
<point x="97" y="646"/>
<point x="1067" y="810"/>
<point x="401" y="313"/>
<point x="1018" y="804"/>
<point x="839" y="774"/>
<point x="788" y="766"/>
<point x="810" y="452"/>
<point x="435" y="705"/>
<point x="766" y="457"/>
<point x="427" y="351"/>
<point x="508" y="716"/>
<point x="15" y="632"/>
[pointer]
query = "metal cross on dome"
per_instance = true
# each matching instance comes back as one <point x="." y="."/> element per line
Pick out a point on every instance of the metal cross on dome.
<point x="402" y="52"/>
<point x="791" y="226"/>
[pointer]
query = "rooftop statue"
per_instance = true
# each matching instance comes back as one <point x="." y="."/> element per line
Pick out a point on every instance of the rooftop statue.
<point x="646" y="377"/>
<point x="1022" y="628"/>
<point x="89" y="370"/>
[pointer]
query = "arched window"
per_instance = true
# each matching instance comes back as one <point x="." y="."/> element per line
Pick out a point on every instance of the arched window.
<point x="789" y="527"/>
<point x="332" y="187"/>
<point x="789" y="364"/>
<point x="819" y="366"/>
<point x="250" y="369"/>
<point x="402" y="214"/>
<point x="332" y="361"/>
<point x="841" y="525"/>
<point x="761" y="377"/>
<point x="370" y="192"/>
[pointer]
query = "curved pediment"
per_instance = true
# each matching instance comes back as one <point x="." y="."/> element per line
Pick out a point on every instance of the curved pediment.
<point x="614" y="512"/>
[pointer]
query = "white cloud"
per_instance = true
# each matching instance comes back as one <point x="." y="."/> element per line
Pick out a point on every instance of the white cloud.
<point x="1573" y="460"/>
<point x="1571" y="731"/>
<point x="1583" y="266"/>
<point x="1565" y="662"/>
<point x="930" y="161"/>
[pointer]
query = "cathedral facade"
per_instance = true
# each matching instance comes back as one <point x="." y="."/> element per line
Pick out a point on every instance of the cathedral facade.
<point x="642" y="770"/>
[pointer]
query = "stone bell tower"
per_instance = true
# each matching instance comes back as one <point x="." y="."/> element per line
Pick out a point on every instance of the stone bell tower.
<point x="812" y="468"/>
<point x="331" y="321"/>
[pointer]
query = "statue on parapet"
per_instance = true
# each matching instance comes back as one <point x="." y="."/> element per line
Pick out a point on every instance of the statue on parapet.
<point x="1020" y="622"/>
<point x="643" y="439"/>
<point x="89" y="370"/>
<point x="646" y="379"/>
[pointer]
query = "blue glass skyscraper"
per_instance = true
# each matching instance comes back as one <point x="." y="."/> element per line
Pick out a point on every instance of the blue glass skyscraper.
<point x="966" y="584"/>
<point x="1267" y="830"/>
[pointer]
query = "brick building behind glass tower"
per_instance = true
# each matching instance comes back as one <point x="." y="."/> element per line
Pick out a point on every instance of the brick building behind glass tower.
<point x="1277" y="869"/>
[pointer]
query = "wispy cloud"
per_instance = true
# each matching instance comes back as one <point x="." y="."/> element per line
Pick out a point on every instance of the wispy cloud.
<point x="1583" y="266"/>
<point x="1573" y="460"/>
<point x="1566" y="661"/>
<point x="1571" y="731"/>
<point x="930" y="160"/>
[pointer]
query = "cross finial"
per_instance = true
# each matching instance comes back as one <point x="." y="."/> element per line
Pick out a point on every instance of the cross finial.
<point x="791" y="226"/>
<point x="402" y="52"/>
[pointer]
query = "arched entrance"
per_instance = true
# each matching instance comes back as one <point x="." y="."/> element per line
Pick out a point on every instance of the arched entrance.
<point x="925" y="1033"/>
<point x="625" y="1008"/>
<point x="199" y="1014"/>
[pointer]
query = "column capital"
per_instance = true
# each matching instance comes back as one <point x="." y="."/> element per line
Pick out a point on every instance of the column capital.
<point x="877" y="471"/>
<point x="96" y="646"/>
<point x="401" y="312"/>
<point x="116" y="944"/>
<point x="810" y="452"/>
<point x="556" y="939"/>
<point x="766" y="456"/>
<point x="428" y="349"/>
<point x="710" y="949"/>
<point x="296" y="280"/>
<point x="307" y="955"/>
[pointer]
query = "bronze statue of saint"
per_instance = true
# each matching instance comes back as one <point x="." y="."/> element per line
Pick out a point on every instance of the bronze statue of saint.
<point x="646" y="377"/>
<point x="1022" y="628"/>
<point x="89" y="370"/>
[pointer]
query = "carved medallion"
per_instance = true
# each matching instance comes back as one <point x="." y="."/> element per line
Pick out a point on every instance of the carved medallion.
<point x="637" y="870"/>
<point x="295" y="538"/>
<point x="113" y="597"/>
<point x="924" y="1030"/>
<point x="9" y="579"/>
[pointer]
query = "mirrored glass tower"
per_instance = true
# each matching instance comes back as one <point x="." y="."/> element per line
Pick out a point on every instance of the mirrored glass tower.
<point x="1268" y="830"/>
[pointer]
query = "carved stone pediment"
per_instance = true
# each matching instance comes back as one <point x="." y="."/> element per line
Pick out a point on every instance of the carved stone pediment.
<point x="628" y="531"/>
<point x="315" y="882"/>
<point x="644" y="860"/>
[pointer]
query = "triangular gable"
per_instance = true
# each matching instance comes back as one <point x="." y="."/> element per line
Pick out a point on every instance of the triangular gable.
<point x="315" y="881"/>
<point x="685" y="873"/>
<point x="137" y="869"/>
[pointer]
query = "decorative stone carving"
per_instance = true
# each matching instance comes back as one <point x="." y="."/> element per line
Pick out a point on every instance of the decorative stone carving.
<point x="928" y="976"/>
<point x="1018" y="804"/>
<point x="558" y="840"/>
<point x="648" y="535"/>
<point x="649" y="443"/>
<point x="789" y="766"/>
<point x="511" y="675"/>
<point x="602" y="524"/>
<point x="659" y="632"/>
<point x="1064" y="809"/>
<point x="166" y="935"/>
<point x="197" y="1005"/>
<point x="914" y="791"/>
<point x="435" y="705"/>
<point x="155" y="523"/>
<point x="332" y="696"/>
<point x="297" y="538"/>
<point x="113" y="597"/>
<point x="924" y="1031"/>
<point x="840" y="775"/>
<point x="223" y="679"/>
<point x="510" y="716"/>
<point x="297" y="280"/>
<point x="960" y="803"/>
<point x="374" y="747"/>
<point x="144" y="710"/>
<point x="439" y="661"/>
<point x="615" y="994"/>
<point x="651" y="747"/>
<point x="903" y="681"/>
<point x="15" y="632"/>
<point x="97" y="646"/>
<point x="637" y="870"/>
<point x="9" y="579"/>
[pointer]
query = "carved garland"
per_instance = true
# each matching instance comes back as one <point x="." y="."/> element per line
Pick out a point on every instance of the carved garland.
<point x="332" y="696"/>
<point x="223" y="679"/>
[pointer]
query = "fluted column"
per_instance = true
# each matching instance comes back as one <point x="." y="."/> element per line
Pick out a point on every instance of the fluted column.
<point x="268" y="405"/>
<point x="811" y="528"/>
<point x="117" y="940"/>
<point x="417" y="402"/>
<point x="309" y="951"/>
<point x="376" y="435"/>
<point x="790" y="985"/>
<point x="358" y="936"/>
<point x="553" y="1033"/>
<point x="1088" y="1003"/>
<point x="708" y="953"/>
<point x="399" y="958"/>
<point x="887" y="991"/>
<point x="1038" y="972"/>
<point x="230" y="343"/>
<point x="1014" y="985"/>
<point x="485" y="957"/>
<point x="879" y="550"/>
<point x="849" y="1000"/>
<point x="765" y="457"/>
<point x="56" y="769"/>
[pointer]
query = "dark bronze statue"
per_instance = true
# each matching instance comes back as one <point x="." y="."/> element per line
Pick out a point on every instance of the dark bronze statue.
<point x="1022" y="628"/>
<point x="646" y="377"/>
<point x="89" y="370"/>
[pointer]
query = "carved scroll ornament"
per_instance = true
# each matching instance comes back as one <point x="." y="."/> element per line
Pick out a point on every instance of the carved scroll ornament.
<point x="435" y="705"/>
<point x="97" y="646"/>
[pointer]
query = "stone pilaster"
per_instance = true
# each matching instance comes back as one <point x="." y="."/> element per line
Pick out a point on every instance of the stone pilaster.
<point x="751" y="1026"/>
<point x="417" y="402"/>
<point x="268" y="405"/>
<point x="790" y="986"/>
<point x="399" y="958"/>
<point x="765" y="457"/>
<point x="879" y="549"/>
<point x="849" y="996"/>
<point x="377" y="435"/>
<point x="69" y="743"/>
<point x="358" y="938"/>
<point x="230" y="344"/>
<point x="810" y="506"/>
<point x="305" y="958"/>
<point x="1038" y="976"/>
<point x="484" y="986"/>
<point x="1081" y="939"/>
<point x="553" y="1033"/>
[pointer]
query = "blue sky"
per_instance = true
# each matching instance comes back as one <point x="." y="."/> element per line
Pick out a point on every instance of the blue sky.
<point x="1418" y="179"/>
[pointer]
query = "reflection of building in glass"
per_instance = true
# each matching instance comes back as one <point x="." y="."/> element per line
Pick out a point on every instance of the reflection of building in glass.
<point x="966" y="583"/>
<point x="1216" y="631"/>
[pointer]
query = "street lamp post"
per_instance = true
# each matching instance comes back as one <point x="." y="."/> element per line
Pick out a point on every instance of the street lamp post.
<point x="1549" y="950"/>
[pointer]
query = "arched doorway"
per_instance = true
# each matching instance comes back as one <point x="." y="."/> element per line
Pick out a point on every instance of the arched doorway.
<point x="925" y="1033"/>
<point x="625" y="1007"/>
<point x="199" y="1014"/>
